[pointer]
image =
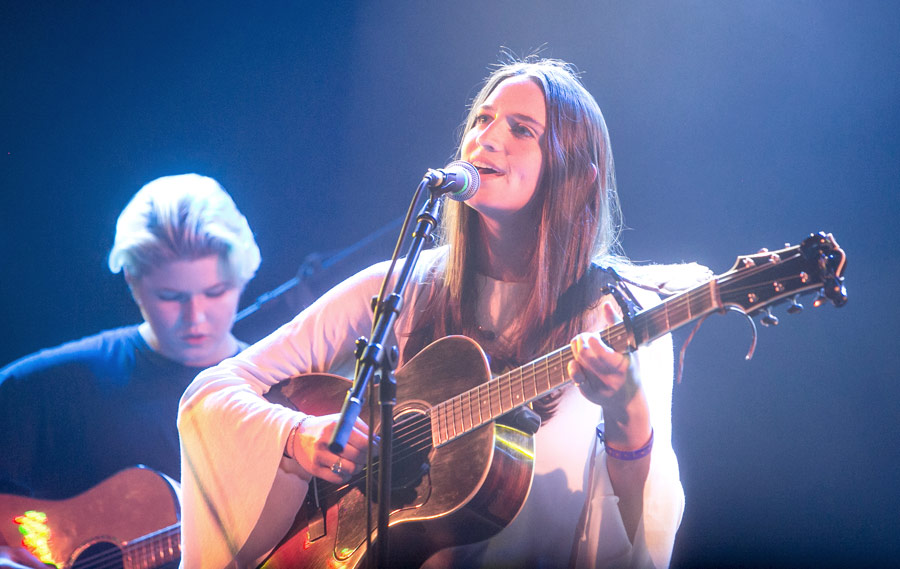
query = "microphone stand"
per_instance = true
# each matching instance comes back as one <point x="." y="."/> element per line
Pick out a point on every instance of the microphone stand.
<point x="372" y="357"/>
<point x="311" y="264"/>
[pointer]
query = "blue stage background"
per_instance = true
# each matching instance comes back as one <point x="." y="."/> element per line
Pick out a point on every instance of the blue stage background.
<point x="735" y="126"/>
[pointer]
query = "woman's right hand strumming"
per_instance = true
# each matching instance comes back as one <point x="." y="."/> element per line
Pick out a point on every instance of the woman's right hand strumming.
<point x="309" y="447"/>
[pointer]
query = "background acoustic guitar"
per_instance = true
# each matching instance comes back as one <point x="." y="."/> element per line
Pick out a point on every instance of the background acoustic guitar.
<point x="130" y="520"/>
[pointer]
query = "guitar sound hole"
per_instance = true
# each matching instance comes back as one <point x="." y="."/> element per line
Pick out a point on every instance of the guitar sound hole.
<point x="101" y="554"/>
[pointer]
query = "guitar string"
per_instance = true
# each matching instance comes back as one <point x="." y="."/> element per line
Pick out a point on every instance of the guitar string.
<point x="458" y="411"/>
<point x="771" y="282"/>
<point x="741" y="273"/>
<point x="115" y="557"/>
<point x="419" y="430"/>
<point x="459" y="408"/>
<point x="462" y="409"/>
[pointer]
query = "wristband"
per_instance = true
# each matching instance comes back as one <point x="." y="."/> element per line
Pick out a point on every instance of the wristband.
<point x="289" y="447"/>
<point x="625" y="454"/>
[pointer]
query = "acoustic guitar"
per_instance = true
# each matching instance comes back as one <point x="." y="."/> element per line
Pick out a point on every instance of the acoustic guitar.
<point x="128" y="521"/>
<point x="458" y="475"/>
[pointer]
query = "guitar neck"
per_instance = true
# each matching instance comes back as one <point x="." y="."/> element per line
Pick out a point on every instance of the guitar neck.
<point x="488" y="401"/>
<point x="154" y="550"/>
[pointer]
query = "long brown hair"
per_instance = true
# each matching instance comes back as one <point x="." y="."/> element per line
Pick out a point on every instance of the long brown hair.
<point x="579" y="221"/>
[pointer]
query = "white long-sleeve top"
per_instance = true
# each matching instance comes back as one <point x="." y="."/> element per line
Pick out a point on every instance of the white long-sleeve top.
<point x="240" y="494"/>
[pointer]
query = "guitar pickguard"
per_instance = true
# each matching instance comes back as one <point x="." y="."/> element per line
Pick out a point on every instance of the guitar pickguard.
<point x="411" y="482"/>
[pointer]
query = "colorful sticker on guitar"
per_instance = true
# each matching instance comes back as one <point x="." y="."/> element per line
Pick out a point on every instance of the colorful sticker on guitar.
<point x="36" y="535"/>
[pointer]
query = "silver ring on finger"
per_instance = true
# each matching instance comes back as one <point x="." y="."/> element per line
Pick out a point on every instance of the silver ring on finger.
<point x="337" y="467"/>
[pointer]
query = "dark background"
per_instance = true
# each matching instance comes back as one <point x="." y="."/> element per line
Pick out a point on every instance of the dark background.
<point x="735" y="125"/>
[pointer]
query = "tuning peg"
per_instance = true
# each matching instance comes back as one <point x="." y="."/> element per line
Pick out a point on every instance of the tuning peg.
<point x="835" y="291"/>
<point x="795" y="307"/>
<point x="769" y="319"/>
<point x="820" y="299"/>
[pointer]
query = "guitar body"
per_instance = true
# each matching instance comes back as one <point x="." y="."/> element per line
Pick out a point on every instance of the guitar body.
<point x="461" y="492"/>
<point x="75" y="532"/>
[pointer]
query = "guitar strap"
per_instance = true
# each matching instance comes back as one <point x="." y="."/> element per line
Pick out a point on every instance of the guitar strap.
<point x="597" y="282"/>
<point x="628" y="304"/>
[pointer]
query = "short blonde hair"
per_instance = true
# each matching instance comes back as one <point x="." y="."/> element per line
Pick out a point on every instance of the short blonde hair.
<point x="183" y="217"/>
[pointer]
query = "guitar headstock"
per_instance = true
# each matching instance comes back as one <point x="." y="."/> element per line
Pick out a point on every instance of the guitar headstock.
<point x="758" y="281"/>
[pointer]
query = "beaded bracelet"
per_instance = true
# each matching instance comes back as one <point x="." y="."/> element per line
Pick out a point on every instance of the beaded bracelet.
<point x="289" y="447"/>
<point x="625" y="454"/>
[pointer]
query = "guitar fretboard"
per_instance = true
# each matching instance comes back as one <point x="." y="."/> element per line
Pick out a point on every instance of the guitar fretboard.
<point x="504" y="393"/>
<point x="154" y="550"/>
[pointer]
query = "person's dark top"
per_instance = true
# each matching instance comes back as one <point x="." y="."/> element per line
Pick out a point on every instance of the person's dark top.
<point x="74" y="415"/>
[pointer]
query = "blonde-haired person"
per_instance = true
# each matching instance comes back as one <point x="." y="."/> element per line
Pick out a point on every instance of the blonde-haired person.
<point x="521" y="269"/>
<point x="74" y="415"/>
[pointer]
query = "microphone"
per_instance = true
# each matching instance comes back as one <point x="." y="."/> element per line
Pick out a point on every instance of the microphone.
<point x="459" y="179"/>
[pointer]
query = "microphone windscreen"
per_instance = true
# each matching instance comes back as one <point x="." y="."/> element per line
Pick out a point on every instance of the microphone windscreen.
<point x="470" y="173"/>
